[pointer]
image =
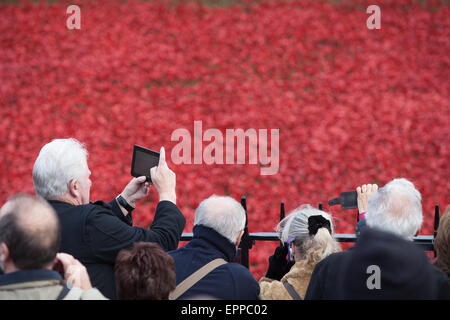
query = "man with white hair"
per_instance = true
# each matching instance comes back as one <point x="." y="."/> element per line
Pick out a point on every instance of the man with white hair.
<point x="396" y="208"/>
<point x="94" y="233"/>
<point x="218" y="227"/>
<point x="384" y="263"/>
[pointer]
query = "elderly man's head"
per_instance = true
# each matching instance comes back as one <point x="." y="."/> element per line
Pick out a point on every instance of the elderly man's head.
<point x="61" y="172"/>
<point x="30" y="234"/>
<point x="223" y="214"/>
<point x="397" y="208"/>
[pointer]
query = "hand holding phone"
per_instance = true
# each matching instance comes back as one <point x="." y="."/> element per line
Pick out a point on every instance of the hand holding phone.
<point x="73" y="271"/>
<point x="363" y="195"/>
<point x="58" y="267"/>
<point x="278" y="264"/>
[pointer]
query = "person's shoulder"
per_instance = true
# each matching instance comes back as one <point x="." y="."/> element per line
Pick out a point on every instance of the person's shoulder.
<point x="95" y="209"/>
<point x="178" y="255"/>
<point x="92" y="294"/>
<point x="186" y="260"/>
<point x="442" y="282"/>
<point x="334" y="257"/>
<point x="95" y="213"/>
<point x="240" y="272"/>
<point x="83" y="211"/>
<point x="235" y="271"/>
<point x="330" y="262"/>
<point x="99" y="205"/>
<point x="76" y="293"/>
<point x="184" y="251"/>
<point x="235" y="266"/>
<point x="246" y="287"/>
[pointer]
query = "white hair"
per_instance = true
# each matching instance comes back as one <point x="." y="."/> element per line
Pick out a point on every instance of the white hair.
<point x="396" y="208"/>
<point x="223" y="214"/>
<point x="312" y="248"/>
<point x="58" y="162"/>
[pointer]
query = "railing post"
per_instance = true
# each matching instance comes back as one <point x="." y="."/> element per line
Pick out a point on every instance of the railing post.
<point x="436" y="225"/>
<point x="282" y="215"/>
<point x="246" y="242"/>
<point x="282" y="212"/>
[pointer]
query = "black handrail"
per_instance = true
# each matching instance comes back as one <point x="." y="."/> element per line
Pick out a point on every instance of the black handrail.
<point x="426" y="242"/>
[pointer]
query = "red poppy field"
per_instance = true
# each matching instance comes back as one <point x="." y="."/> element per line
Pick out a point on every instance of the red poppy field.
<point x="352" y="105"/>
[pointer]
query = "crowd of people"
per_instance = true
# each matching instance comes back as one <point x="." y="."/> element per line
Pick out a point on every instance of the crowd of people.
<point x="58" y="245"/>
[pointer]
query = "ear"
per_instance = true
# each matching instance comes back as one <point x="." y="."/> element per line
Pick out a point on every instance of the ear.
<point x="6" y="262"/>
<point x="239" y="238"/>
<point x="4" y="253"/>
<point x="74" y="188"/>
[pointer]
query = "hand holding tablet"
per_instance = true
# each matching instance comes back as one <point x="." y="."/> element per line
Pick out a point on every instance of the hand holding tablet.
<point x="152" y="165"/>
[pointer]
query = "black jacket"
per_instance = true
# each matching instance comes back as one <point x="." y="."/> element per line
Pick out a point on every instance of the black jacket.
<point x="230" y="281"/>
<point x="95" y="233"/>
<point x="404" y="271"/>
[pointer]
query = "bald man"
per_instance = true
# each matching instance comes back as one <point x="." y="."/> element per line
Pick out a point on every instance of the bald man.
<point x="30" y="236"/>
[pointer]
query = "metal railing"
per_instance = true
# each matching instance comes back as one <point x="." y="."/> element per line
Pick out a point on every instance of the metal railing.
<point x="249" y="239"/>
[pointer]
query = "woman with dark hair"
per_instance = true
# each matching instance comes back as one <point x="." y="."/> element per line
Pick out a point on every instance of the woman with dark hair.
<point x="146" y="272"/>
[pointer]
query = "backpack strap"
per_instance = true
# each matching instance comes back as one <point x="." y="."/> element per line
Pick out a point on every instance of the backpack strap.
<point x="65" y="290"/>
<point x="291" y="290"/>
<point x="67" y="293"/>
<point x="187" y="283"/>
<point x="74" y="294"/>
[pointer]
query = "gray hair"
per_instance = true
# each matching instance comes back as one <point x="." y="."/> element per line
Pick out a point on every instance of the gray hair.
<point x="58" y="163"/>
<point x="296" y="223"/>
<point x="223" y="214"/>
<point x="311" y="248"/>
<point x="396" y="208"/>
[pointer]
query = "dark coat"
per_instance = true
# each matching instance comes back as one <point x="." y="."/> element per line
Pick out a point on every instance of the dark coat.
<point x="95" y="233"/>
<point x="404" y="271"/>
<point x="230" y="281"/>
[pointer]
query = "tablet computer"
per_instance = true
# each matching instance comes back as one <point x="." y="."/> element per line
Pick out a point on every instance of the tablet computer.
<point x="143" y="160"/>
